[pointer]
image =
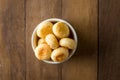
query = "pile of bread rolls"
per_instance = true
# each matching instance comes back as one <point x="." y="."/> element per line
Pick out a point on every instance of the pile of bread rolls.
<point x="54" y="42"/>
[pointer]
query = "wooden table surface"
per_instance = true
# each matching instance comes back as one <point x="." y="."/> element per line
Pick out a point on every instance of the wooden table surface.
<point x="97" y="23"/>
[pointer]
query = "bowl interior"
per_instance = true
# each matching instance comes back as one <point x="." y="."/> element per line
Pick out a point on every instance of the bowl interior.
<point x="35" y="38"/>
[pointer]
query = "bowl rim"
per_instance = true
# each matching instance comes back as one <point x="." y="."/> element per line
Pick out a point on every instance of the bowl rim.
<point x="70" y="27"/>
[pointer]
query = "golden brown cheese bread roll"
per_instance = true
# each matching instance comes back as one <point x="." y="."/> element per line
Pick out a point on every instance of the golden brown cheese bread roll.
<point x="41" y="41"/>
<point x="52" y="41"/>
<point x="68" y="42"/>
<point x="60" y="54"/>
<point x="44" y="29"/>
<point x="43" y="52"/>
<point x="61" y="30"/>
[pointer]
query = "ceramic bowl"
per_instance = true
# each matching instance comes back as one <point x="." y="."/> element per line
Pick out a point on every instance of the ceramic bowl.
<point x="74" y="36"/>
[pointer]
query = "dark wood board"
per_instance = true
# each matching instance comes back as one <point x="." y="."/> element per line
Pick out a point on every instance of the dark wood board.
<point x="82" y="14"/>
<point x="37" y="11"/>
<point x="12" y="40"/>
<point x="109" y="40"/>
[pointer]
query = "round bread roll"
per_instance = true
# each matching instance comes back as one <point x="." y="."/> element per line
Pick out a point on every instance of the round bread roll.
<point x="43" y="52"/>
<point x="59" y="54"/>
<point x="44" y="29"/>
<point x="68" y="42"/>
<point x="52" y="41"/>
<point x="61" y="30"/>
<point x="41" y="41"/>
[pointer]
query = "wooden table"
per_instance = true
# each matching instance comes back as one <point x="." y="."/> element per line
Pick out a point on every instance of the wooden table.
<point x="97" y="23"/>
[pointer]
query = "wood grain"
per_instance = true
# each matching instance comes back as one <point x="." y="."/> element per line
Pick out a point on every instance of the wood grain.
<point x="82" y="14"/>
<point x="36" y="11"/>
<point x="12" y="40"/>
<point x="109" y="40"/>
<point x="18" y="18"/>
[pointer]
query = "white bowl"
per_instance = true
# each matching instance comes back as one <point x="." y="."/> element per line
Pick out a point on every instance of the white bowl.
<point x="34" y="38"/>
